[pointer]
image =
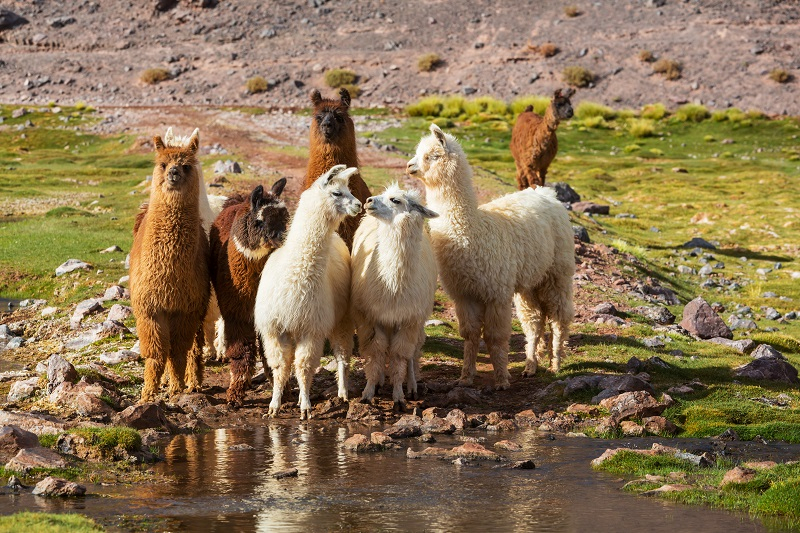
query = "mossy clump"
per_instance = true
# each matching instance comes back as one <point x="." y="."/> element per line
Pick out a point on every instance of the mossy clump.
<point x="779" y="75"/>
<point x="339" y="77"/>
<point x="428" y="62"/>
<point x="692" y="113"/>
<point x="577" y="76"/>
<point x="109" y="438"/>
<point x="641" y="127"/>
<point x="153" y="76"/>
<point x="669" y="68"/>
<point x="256" y="84"/>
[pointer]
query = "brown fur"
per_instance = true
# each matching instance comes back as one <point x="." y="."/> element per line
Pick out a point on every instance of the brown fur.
<point x="337" y="148"/>
<point x="534" y="144"/>
<point x="236" y="277"/>
<point x="169" y="274"/>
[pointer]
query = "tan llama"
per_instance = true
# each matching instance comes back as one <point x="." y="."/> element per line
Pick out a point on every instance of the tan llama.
<point x="169" y="272"/>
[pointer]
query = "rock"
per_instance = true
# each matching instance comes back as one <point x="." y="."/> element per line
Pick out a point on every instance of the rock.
<point x="83" y="397"/>
<point x="21" y="390"/>
<point x="438" y="425"/>
<point x="227" y="167"/>
<point x="59" y="370"/>
<point x="240" y="447"/>
<point x="431" y="451"/>
<point x="768" y="369"/>
<point x="13" y="439"/>
<point x="653" y="292"/>
<point x="590" y="208"/>
<point x="463" y="396"/>
<point x="434" y="322"/>
<point x="760" y="465"/>
<point x="381" y="440"/>
<point x="631" y="429"/>
<point x="115" y="358"/>
<point x="111" y="249"/>
<point x="358" y="443"/>
<point x="408" y="426"/>
<point x="14" y="343"/>
<point x="653" y="342"/>
<point x="656" y="313"/>
<point x="511" y="446"/>
<point x="613" y="385"/>
<point x="84" y="339"/>
<point x="85" y="308"/>
<point x="433" y="412"/>
<point x="35" y="457"/>
<point x="60" y="22"/>
<point x="111" y="327"/>
<point x="565" y="193"/>
<point x="142" y="416"/>
<point x="698" y="242"/>
<point x="474" y="452"/>
<point x="457" y="418"/>
<point x="15" y="484"/>
<point x="605" y="308"/>
<point x="581" y="233"/>
<point x="363" y="411"/>
<point x="9" y="19"/>
<point x="636" y="404"/>
<point x="729" y="435"/>
<point x="675" y="487"/>
<point x="115" y="292"/>
<point x="49" y="311"/>
<point x="658" y="425"/>
<point x="744" y="346"/>
<point x="71" y="265"/>
<point x="427" y="437"/>
<point x="583" y="409"/>
<point x="526" y="418"/>
<point x="520" y="465"/>
<point x="771" y="314"/>
<point x="610" y="320"/>
<point x="765" y="351"/>
<point x="737" y="323"/>
<point x="700" y="320"/>
<point x="57" y="487"/>
<point x="737" y="475"/>
<point x="291" y="472"/>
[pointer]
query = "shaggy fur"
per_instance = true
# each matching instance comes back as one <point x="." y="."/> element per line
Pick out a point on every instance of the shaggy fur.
<point x="242" y="237"/>
<point x="392" y="288"/>
<point x="304" y="294"/>
<point x="332" y="141"/>
<point x="534" y="144"/>
<point x="519" y="245"/>
<point x="210" y="207"/>
<point x="169" y="272"/>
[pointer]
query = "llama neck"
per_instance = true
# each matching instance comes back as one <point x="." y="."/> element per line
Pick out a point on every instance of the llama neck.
<point x="309" y="234"/>
<point x="550" y="119"/>
<point x="341" y="153"/>
<point x="455" y="202"/>
<point x="398" y="250"/>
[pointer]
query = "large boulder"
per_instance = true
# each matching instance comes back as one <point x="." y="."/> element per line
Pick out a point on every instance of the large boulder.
<point x="143" y="416"/>
<point x="36" y="457"/>
<point x="9" y="19"/>
<point x="21" y="390"/>
<point x="636" y="404"/>
<point x="56" y="487"/>
<point x="59" y="370"/>
<point x="700" y="320"/>
<point x="742" y="345"/>
<point x="38" y="424"/>
<point x="768" y="365"/>
<point x="13" y="439"/>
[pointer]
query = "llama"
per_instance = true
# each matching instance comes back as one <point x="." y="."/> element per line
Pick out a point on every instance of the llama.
<point x="534" y="144"/>
<point x="303" y="297"/>
<point x="210" y="207"/>
<point x="392" y="288"/>
<point x="169" y="272"/>
<point x="242" y="237"/>
<point x="519" y="245"/>
<point x="332" y="141"/>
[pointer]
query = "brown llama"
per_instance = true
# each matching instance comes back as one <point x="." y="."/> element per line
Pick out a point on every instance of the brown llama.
<point x="170" y="281"/>
<point x="534" y="144"/>
<point x="332" y="141"/>
<point x="242" y="238"/>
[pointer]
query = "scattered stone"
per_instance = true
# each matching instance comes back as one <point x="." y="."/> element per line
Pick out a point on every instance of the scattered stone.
<point x="86" y="307"/>
<point x="427" y="437"/>
<point x="71" y="265"/>
<point x="13" y="439"/>
<point x="737" y="323"/>
<point x="240" y="447"/>
<point x="381" y="440"/>
<point x="590" y="208"/>
<point x="698" y="242"/>
<point x="119" y="313"/>
<point x="115" y="358"/>
<point x="729" y="435"/>
<point x="59" y="370"/>
<point x="227" y="167"/>
<point x="434" y="322"/>
<point x="520" y="465"/>
<point x="653" y="342"/>
<point x="581" y="233"/>
<point x="744" y="346"/>
<point x="9" y="19"/>
<point x="700" y="320"/>
<point x="292" y="472"/>
<point x="768" y="369"/>
<point x="765" y="351"/>
<point x="772" y="314"/>
<point x="35" y="457"/>
<point x="658" y="425"/>
<point x="22" y="390"/>
<point x="145" y="415"/>
<point x="583" y="409"/>
<point x="408" y="426"/>
<point x="57" y="487"/>
<point x="363" y="411"/>
<point x="610" y="320"/>
<point x="460" y="462"/>
<point x="457" y="418"/>
<point x="14" y="343"/>
<point x="115" y="292"/>
<point x="15" y="484"/>
<point x="463" y="396"/>
<point x="474" y="452"/>
<point x="658" y="314"/>
<point x="511" y="446"/>
<point x="605" y="308"/>
<point x="433" y="412"/>
<point x="83" y="397"/>
<point x="358" y="443"/>
<point x="636" y="404"/>
<point x="49" y="311"/>
<point x="631" y="429"/>
<point x="84" y="339"/>
<point x="437" y="425"/>
<point x="676" y="487"/>
<point x="565" y="193"/>
<point x="738" y="475"/>
<point x="760" y="465"/>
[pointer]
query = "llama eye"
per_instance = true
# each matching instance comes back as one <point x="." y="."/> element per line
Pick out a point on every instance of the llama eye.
<point x="339" y="119"/>
<point x="336" y="193"/>
<point x="395" y="201"/>
<point x="187" y="168"/>
<point x="163" y="166"/>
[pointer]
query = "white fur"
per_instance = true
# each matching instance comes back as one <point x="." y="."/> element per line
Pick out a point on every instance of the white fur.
<point x="518" y="246"/>
<point x="304" y="294"/>
<point x="392" y="287"/>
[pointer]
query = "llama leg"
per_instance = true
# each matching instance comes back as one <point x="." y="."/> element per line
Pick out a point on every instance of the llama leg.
<point x="209" y="327"/>
<point x="469" y="315"/>
<point x="496" y="333"/>
<point x="194" y="363"/>
<point x="563" y="314"/>
<point x="342" y="345"/>
<point x="560" y="336"/>
<point x="154" y="342"/>
<point x="414" y="366"/>
<point x="373" y="348"/>
<point x="181" y="340"/>
<point x="240" y="356"/>
<point x="219" y="341"/>
<point x="279" y="352"/>
<point x="532" y="321"/>
<point x="307" y="356"/>
<point x="401" y="357"/>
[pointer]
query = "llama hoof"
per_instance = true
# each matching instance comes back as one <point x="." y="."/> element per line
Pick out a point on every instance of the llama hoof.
<point x="465" y="382"/>
<point x="399" y="407"/>
<point x="503" y="385"/>
<point x="272" y="413"/>
<point x="370" y="401"/>
<point x="305" y="414"/>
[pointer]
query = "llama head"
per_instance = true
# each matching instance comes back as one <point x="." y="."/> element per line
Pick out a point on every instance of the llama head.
<point x="263" y="226"/>
<point x="561" y="103"/>
<point x="395" y="206"/>
<point x="175" y="171"/>
<point x="334" y="185"/>
<point x="331" y="118"/>
<point x="437" y="158"/>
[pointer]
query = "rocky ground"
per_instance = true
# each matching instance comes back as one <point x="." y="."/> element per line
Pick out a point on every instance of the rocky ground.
<point x="95" y="51"/>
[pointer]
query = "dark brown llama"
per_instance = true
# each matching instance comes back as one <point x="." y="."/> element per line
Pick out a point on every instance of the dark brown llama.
<point x="169" y="272"/>
<point x="533" y="140"/>
<point x="332" y="141"/>
<point x="242" y="237"/>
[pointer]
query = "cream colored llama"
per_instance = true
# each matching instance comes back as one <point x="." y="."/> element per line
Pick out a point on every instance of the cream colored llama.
<point x="518" y="246"/>
<point x="303" y="297"/>
<point x="392" y="288"/>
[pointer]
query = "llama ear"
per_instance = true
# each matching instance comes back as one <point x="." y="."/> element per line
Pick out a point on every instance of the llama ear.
<point x="158" y="143"/>
<point x="557" y="94"/>
<point x="277" y="187"/>
<point x="568" y="92"/>
<point x="424" y="211"/>
<point x="169" y="137"/>
<point x="316" y="98"/>
<point x="194" y="141"/>
<point x="437" y="131"/>
<point x="333" y="171"/>
<point x="344" y="96"/>
<point x="256" y="196"/>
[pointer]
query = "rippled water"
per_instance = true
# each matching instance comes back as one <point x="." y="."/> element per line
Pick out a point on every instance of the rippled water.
<point x="219" y="489"/>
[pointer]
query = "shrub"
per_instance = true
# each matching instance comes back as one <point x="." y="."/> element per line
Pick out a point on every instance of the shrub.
<point x="708" y="138"/>
<point x="670" y="68"/>
<point x="631" y="148"/>
<point x="571" y="11"/>
<point x="654" y="111"/>
<point x="539" y="104"/>
<point x="755" y="114"/>
<point x="339" y="77"/>
<point x="732" y="114"/>
<point x="256" y="85"/>
<point x="591" y="109"/>
<point x="577" y="76"/>
<point x="453" y="106"/>
<point x="153" y="76"/>
<point x="779" y="75"/>
<point x="354" y="90"/>
<point x="642" y="127"/>
<point x="485" y="104"/>
<point x="108" y="438"/>
<point x="430" y="106"/>
<point x="548" y="49"/>
<point x="646" y="56"/>
<point x="428" y="62"/>
<point x="692" y="113"/>
<point x="594" y="122"/>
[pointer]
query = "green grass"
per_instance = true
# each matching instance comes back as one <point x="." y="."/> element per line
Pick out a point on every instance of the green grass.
<point x="339" y="77"/>
<point x="47" y="523"/>
<point x="108" y="438"/>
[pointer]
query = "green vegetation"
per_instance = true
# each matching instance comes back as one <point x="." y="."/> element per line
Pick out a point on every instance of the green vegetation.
<point x="428" y="62"/>
<point x="577" y="76"/>
<point x="354" y="90"/>
<point x="642" y="127"/>
<point x="256" y="84"/>
<point x="779" y="75"/>
<point x="654" y="111"/>
<point x="47" y="523"/>
<point x="588" y="109"/>
<point x="669" y="68"/>
<point x="692" y="113"/>
<point x="153" y="76"/>
<point x="339" y="77"/>
<point x="108" y="438"/>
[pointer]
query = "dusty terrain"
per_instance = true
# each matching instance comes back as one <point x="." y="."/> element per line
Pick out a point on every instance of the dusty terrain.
<point x="95" y="51"/>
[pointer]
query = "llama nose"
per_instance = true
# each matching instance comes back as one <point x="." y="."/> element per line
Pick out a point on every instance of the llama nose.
<point x="173" y="174"/>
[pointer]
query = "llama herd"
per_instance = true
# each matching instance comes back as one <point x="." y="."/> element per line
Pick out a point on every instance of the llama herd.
<point x="279" y="286"/>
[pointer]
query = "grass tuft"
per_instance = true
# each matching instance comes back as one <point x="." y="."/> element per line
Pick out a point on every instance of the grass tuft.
<point x="256" y="84"/>
<point x="779" y="75"/>
<point x="641" y="127"/>
<point x="153" y="76"/>
<point x="654" y="111"/>
<point x="339" y="77"/>
<point x="428" y="62"/>
<point x="577" y="76"/>
<point x="48" y="523"/>
<point x="591" y="109"/>
<point x="669" y="68"/>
